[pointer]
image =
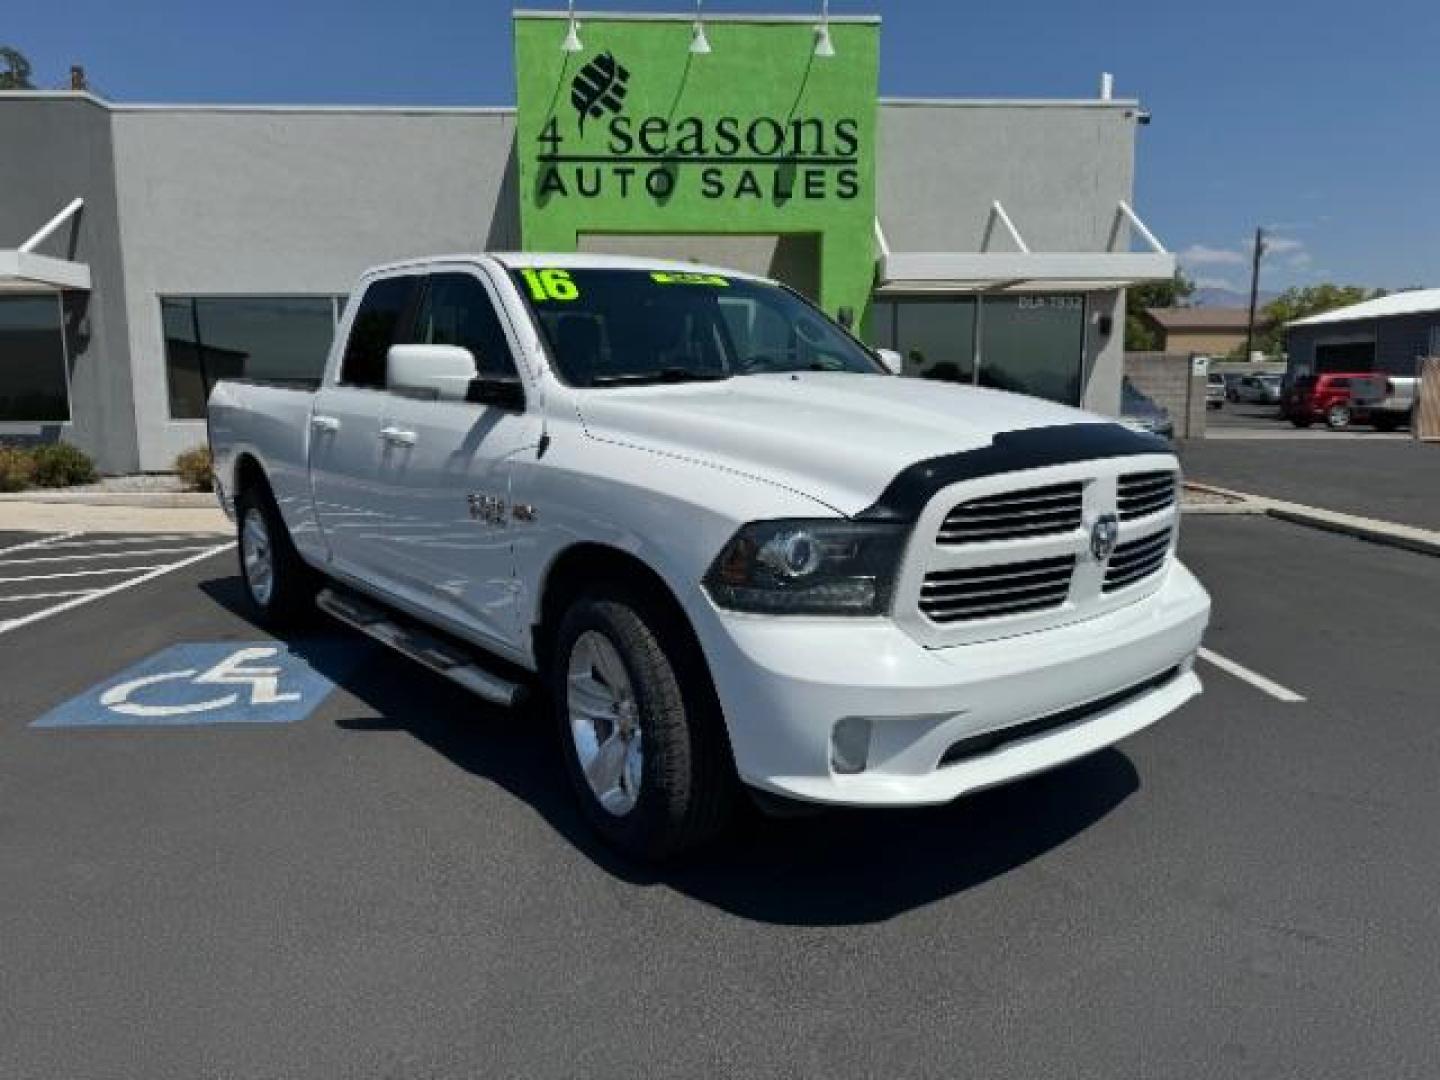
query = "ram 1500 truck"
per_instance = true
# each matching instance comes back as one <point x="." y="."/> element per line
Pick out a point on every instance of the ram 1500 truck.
<point x="729" y="549"/>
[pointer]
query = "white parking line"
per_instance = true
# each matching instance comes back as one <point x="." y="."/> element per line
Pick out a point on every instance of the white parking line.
<point x="44" y="541"/>
<point x="104" y="555"/>
<point x="110" y="590"/>
<point x="1255" y="679"/>
<point x="45" y="595"/>
<point x="83" y="573"/>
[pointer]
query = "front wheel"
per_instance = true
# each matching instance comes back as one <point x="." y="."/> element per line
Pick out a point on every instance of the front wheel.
<point x="1337" y="417"/>
<point x="277" y="582"/>
<point x="639" y="724"/>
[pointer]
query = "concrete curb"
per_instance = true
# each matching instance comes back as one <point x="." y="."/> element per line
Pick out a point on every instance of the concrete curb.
<point x="153" y="500"/>
<point x="1373" y="530"/>
<point x="1235" y="502"/>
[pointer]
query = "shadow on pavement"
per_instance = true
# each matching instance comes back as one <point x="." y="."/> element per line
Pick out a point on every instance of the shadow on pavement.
<point x="835" y="868"/>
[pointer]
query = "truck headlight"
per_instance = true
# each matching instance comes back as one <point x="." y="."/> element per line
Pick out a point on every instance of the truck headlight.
<point x="803" y="567"/>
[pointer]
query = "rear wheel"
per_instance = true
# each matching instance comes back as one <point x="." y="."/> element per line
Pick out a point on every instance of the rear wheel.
<point x="1337" y="417"/>
<point x="1386" y="422"/>
<point x="1301" y="421"/>
<point x="640" y="728"/>
<point x="280" y="587"/>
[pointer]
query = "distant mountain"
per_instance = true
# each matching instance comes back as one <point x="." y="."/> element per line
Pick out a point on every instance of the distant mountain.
<point x="1227" y="298"/>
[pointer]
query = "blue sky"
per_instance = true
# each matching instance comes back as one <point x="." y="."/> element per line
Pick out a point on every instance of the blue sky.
<point x="1317" y="119"/>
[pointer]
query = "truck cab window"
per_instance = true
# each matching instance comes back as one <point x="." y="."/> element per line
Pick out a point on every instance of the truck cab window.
<point x="457" y="310"/>
<point x="382" y="320"/>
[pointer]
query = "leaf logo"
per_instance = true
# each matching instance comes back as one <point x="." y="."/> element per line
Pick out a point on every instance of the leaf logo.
<point x="599" y="87"/>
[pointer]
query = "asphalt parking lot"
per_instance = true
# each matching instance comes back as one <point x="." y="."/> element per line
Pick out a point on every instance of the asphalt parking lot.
<point x="1389" y="477"/>
<point x="389" y="879"/>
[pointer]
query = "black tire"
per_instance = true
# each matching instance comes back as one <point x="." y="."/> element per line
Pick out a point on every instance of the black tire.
<point x="1301" y="421"/>
<point x="1338" y="417"/>
<point x="290" y="598"/>
<point x="1386" y="422"/>
<point x="687" y="788"/>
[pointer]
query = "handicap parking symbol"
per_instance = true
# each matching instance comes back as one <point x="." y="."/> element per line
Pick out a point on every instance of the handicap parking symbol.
<point x="262" y="682"/>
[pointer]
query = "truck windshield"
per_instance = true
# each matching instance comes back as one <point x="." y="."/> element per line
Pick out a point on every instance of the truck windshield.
<point x="632" y="327"/>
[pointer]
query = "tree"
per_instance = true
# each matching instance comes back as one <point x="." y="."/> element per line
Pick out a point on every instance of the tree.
<point x="15" y="74"/>
<point x="1297" y="303"/>
<point x="1141" y="336"/>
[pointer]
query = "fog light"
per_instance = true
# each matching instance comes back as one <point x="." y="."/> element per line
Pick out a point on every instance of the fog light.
<point x="850" y="744"/>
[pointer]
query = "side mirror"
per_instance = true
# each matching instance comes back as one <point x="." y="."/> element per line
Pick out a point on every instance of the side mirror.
<point x="893" y="361"/>
<point x="438" y="372"/>
<point x="501" y="391"/>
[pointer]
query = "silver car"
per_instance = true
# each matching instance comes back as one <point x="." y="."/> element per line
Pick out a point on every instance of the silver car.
<point x="1256" y="389"/>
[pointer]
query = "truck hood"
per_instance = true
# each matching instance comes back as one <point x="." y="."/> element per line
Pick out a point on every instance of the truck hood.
<point x="838" y="438"/>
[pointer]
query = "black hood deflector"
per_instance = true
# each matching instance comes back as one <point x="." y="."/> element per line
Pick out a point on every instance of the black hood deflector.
<point x="1011" y="451"/>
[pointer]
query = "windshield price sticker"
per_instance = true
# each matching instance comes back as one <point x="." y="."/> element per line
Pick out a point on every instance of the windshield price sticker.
<point x="686" y="278"/>
<point x="550" y="284"/>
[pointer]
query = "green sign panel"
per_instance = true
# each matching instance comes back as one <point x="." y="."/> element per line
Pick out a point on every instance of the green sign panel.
<point x="635" y="134"/>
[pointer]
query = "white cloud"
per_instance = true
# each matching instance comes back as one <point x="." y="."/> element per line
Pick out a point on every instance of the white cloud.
<point x="1283" y="253"/>
<point x="1200" y="255"/>
<point x="1216" y="283"/>
<point x="1281" y="245"/>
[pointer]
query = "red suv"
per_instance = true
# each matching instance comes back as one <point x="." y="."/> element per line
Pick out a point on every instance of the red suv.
<point x="1319" y="397"/>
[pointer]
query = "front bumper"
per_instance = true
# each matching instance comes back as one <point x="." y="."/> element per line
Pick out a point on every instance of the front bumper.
<point x="784" y="684"/>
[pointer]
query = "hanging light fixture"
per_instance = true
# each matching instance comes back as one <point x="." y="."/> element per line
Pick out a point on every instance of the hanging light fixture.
<point x="823" y="45"/>
<point x="571" y="44"/>
<point x="699" y="43"/>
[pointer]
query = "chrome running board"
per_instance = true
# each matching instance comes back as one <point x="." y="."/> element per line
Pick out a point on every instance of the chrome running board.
<point x="422" y="646"/>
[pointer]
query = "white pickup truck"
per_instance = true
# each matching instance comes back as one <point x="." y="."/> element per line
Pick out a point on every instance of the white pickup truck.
<point x="729" y="549"/>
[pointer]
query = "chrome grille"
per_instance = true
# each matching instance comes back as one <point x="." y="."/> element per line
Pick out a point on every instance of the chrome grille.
<point x="1135" y="560"/>
<point x="987" y="592"/>
<point x="1015" y="515"/>
<point x="1145" y="493"/>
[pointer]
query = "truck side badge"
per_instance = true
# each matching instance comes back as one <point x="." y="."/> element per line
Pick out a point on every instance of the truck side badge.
<point x="487" y="508"/>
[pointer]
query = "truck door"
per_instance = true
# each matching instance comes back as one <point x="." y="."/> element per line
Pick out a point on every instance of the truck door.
<point x="445" y="477"/>
<point x="346" y="422"/>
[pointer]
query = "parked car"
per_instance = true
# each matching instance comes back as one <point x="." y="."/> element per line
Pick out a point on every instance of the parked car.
<point x="1215" y="391"/>
<point x="1142" y="413"/>
<point x="1256" y="389"/>
<point x="726" y="544"/>
<point x="1324" y="397"/>
<point x="1384" y="401"/>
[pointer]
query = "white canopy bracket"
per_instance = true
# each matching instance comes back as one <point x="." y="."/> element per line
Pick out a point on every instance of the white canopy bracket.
<point x="44" y="232"/>
<point x="881" y="243"/>
<point x="997" y="213"/>
<point x="1124" y="210"/>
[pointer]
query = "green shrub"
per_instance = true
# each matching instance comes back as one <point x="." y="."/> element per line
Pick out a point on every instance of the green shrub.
<point x="193" y="468"/>
<point x="62" y="465"/>
<point x="17" y="468"/>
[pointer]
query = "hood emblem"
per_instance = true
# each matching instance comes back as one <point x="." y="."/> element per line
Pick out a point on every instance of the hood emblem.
<point x="1103" y="535"/>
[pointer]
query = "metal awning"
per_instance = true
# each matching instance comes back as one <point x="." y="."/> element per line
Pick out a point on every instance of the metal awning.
<point x="1023" y="270"/>
<point x="22" y="269"/>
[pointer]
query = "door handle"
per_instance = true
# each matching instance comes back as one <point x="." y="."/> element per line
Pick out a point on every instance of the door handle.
<point x="324" y="423"/>
<point x="397" y="436"/>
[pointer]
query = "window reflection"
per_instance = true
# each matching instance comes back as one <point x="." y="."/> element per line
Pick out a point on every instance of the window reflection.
<point x="1028" y="343"/>
<point x="271" y="338"/>
<point x="32" y="359"/>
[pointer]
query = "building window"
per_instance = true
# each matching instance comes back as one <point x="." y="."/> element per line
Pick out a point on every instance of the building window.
<point x="33" y="386"/>
<point x="281" y="339"/>
<point x="1029" y="343"/>
<point x="935" y="335"/>
<point x="1033" y="344"/>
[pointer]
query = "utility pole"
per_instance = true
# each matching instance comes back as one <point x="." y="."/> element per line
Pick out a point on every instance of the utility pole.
<point x="1254" y="290"/>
